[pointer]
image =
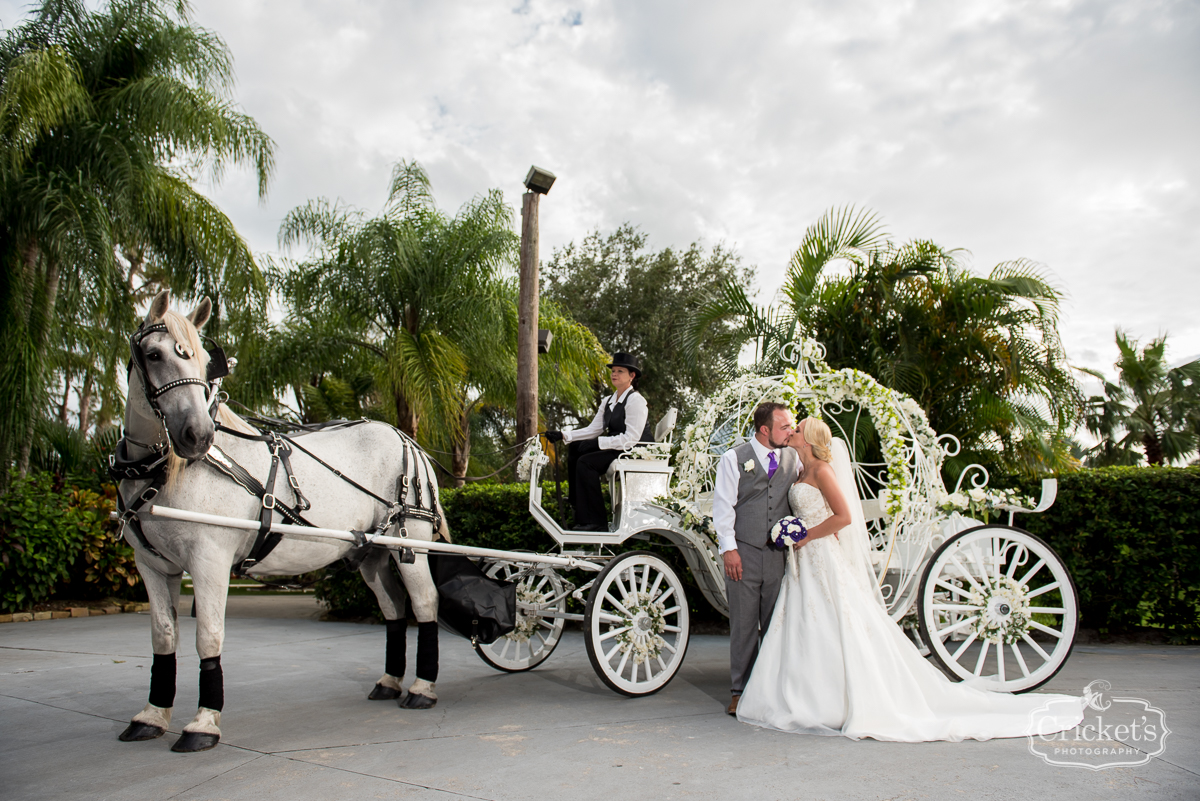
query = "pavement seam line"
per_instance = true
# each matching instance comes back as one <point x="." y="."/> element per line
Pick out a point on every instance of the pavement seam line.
<point x="486" y="733"/>
<point x="219" y="775"/>
<point x="283" y="755"/>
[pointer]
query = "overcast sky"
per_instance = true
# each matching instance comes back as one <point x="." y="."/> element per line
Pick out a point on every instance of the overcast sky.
<point x="1062" y="132"/>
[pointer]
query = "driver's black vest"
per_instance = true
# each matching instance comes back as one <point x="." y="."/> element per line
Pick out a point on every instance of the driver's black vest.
<point x="614" y="420"/>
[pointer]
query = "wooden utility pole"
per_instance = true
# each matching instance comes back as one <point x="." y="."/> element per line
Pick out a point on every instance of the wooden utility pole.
<point x="527" y="321"/>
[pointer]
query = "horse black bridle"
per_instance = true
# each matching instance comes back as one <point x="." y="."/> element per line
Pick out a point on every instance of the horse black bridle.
<point x="218" y="368"/>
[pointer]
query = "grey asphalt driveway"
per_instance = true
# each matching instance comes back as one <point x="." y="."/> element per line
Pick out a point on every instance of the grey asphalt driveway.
<point x="297" y="725"/>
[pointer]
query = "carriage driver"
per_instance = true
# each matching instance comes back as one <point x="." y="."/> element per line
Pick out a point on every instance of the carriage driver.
<point x="620" y="423"/>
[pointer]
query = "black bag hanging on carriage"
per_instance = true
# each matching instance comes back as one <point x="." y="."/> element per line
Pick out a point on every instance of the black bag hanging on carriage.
<point x="471" y="604"/>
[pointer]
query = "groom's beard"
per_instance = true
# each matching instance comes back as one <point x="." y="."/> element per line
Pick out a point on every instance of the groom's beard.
<point x="776" y="445"/>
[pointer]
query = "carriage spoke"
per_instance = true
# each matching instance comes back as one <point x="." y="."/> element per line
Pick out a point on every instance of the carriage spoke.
<point x="1016" y="560"/>
<point x="1000" y="661"/>
<point x="982" y="656"/>
<point x="633" y="673"/>
<point x="965" y="645"/>
<point x="663" y="598"/>
<point x="507" y="643"/>
<point x="1020" y="660"/>
<point x="661" y="664"/>
<point x="608" y="656"/>
<point x="657" y="582"/>
<point x="673" y="610"/>
<point x="967" y="574"/>
<point x="1048" y="610"/>
<point x="941" y="633"/>
<point x="957" y="607"/>
<point x="1046" y="629"/>
<point x="951" y="588"/>
<point x="672" y="629"/>
<point x="645" y="577"/>
<point x="618" y="604"/>
<point x="607" y="617"/>
<point x="624" y="660"/>
<point x="613" y="633"/>
<point x="1040" y="590"/>
<point x="1035" y="646"/>
<point x="669" y="647"/>
<point x="1024" y="581"/>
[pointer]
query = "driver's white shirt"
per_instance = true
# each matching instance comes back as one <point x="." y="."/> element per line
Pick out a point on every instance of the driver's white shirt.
<point x="636" y="414"/>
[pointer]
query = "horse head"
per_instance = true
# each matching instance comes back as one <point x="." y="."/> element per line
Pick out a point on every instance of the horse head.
<point x="168" y="380"/>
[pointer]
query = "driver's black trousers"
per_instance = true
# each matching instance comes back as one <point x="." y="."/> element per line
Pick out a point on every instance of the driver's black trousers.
<point x="586" y="464"/>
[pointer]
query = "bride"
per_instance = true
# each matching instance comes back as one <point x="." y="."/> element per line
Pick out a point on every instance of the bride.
<point x="833" y="662"/>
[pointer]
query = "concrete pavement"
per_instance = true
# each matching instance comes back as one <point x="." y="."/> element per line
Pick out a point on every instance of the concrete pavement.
<point x="297" y="725"/>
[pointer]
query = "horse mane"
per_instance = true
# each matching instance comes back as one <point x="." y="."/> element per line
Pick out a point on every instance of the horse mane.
<point x="181" y="330"/>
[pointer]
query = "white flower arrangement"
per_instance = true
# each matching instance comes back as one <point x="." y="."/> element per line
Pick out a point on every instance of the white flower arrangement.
<point x="982" y="503"/>
<point x="531" y="455"/>
<point x="642" y="641"/>
<point x="1003" y="611"/>
<point x="649" y="451"/>
<point x="527" y="624"/>
<point x="689" y="516"/>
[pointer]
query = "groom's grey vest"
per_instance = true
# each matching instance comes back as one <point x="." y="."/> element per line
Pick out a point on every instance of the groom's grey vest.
<point x="761" y="502"/>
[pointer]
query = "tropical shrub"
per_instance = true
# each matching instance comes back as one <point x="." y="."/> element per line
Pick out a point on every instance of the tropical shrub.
<point x="1128" y="536"/>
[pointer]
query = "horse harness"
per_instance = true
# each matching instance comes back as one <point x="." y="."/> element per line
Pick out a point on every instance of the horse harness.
<point x="154" y="466"/>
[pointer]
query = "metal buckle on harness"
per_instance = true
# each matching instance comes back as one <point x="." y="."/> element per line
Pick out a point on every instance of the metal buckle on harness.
<point x="293" y="482"/>
<point x="148" y="494"/>
<point x="268" y="501"/>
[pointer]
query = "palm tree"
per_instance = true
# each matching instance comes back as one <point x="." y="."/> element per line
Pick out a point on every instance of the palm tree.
<point x="1151" y="405"/>
<point x="428" y="297"/>
<point x="981" y="354"/>
<point x="102" y="114"/>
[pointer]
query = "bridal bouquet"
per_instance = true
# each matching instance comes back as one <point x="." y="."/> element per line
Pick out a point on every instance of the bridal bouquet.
<point x="788" y="531"/>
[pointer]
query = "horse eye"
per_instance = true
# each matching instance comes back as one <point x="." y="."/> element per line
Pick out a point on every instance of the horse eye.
<point x="153" y="355"/>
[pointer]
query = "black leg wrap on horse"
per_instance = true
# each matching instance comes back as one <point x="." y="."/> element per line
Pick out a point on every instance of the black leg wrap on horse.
<point x="396" y="659"/>
<point x="162" y="681"/>
<point x="212" y="684"/>
<point x="427" y="651"/>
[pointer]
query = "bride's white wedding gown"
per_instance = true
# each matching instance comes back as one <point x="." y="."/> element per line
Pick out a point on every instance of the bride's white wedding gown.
<point x="833" y="662"/>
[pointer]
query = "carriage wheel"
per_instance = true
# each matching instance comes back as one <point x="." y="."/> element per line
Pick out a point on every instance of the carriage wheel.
<point x="636" y="626"/>
<point x="535" y="636"/>
<point x="998" y="608"/>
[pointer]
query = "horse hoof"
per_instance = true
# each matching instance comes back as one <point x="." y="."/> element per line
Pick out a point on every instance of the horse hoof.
<point x="414" y="701"/>
<point x="137" y="732"/>
<point x="382" y="693"/>
<point x="193" y="741"/>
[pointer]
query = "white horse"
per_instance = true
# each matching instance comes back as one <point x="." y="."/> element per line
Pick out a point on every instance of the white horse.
<point x="182" y="448"/>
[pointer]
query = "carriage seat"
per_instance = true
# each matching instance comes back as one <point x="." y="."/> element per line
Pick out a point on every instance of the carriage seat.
<point x="632" y="481"/>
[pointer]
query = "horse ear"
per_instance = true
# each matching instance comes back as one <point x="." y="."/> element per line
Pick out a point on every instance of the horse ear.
<point x="159" y="307"/>
<point x="201" y="314"/>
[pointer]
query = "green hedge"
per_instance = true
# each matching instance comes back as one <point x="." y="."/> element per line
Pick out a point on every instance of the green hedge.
<point x="1131" y="538"/>
<point x="58" y="541"/>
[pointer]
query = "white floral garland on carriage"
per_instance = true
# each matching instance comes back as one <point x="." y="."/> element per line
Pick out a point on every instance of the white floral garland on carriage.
<point x="812" y="386"/>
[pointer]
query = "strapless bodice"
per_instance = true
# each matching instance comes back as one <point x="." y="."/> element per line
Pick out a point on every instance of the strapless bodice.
<point x="808" y="504"/>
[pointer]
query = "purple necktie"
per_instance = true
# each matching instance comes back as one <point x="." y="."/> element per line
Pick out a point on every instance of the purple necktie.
<point x="772" y="464"/>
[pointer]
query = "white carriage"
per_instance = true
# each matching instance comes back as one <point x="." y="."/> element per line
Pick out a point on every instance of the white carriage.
<point x="993" y="604"/>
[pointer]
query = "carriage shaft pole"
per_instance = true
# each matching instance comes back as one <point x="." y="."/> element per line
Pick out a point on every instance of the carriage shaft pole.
<point x="419" y="546"/>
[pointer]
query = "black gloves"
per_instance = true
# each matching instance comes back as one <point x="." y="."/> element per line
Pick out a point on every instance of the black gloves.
<point x="553" y="436"/>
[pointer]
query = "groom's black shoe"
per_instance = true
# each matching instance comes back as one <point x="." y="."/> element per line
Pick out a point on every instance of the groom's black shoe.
<point x="732" y="708"/>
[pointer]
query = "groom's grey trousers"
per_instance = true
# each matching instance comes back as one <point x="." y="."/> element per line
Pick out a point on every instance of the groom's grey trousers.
<point x="761" y="502"/>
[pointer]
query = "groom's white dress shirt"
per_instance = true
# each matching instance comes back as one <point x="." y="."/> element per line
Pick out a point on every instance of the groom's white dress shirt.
<point x="726" y="491"/>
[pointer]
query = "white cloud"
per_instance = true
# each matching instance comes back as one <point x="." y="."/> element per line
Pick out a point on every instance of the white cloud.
<point x="1057" y="131"/>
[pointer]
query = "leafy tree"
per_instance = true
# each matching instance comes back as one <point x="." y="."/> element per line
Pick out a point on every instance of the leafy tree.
<point x="640" y="302"/>
<point x="981" y="354"/>
<point x="103" y="116"/>
<point x="1151" y="406"/>
<point x="423" y="302"/>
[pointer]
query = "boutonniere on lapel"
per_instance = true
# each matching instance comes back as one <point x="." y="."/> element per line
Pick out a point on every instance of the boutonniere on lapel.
<point x="748" y="466"/>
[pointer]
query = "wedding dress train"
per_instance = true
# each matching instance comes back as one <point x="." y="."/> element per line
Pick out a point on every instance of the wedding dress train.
<point x="833" y="662"/>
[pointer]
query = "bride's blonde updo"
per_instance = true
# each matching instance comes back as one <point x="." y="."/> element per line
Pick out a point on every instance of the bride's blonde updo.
<point x="818" y="435"/>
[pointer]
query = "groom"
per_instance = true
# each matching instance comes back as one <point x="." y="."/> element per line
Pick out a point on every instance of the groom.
<point x="751" y="496"/>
